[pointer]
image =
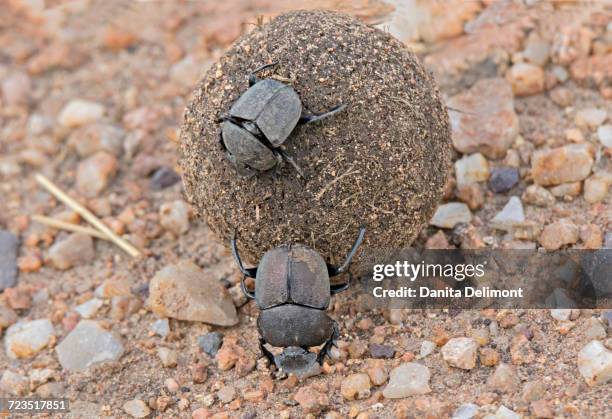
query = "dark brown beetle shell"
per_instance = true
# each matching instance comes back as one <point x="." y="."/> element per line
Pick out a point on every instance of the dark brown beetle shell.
<point x="293" y="325"/>
<point x="273" y="106"/>
<point x="292" y="274"/>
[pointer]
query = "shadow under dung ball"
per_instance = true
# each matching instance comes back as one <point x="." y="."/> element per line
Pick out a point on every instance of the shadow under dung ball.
<point x="381" y="162"/>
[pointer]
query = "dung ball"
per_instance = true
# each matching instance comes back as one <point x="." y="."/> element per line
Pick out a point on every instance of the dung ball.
<point x="382" y="162"/>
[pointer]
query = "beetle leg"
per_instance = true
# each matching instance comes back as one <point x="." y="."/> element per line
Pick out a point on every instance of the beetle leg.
<point x="266" y="352"/>
<point x="288" y="158"/>
<point x="307" y="119"/>
<point x="250" y="272"/>
<point x="253" y="74"/>
<point x="245" y="290"/>
<point x="342" y="268"/>
<point x="329" y="343"/>
<point x="338" y="288"/>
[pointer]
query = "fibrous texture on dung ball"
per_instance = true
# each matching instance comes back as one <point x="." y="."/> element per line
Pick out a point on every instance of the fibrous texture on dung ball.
<point x="382" y="162"/>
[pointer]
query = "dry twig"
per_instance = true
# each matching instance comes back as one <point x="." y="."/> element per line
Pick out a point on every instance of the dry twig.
<point x="87" y="215"/>
<point x="52" y="222"/>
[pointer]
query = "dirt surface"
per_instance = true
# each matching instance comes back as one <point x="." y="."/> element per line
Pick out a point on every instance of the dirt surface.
<point x="381" y="163"/>
<point x="139" y="63"/>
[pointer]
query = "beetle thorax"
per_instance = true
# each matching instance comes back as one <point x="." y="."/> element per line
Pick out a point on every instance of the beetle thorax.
<point x="292" y="274"/>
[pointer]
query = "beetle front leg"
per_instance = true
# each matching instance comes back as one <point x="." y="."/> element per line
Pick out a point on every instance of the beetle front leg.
<point x="253" y="74"/>
<point x="325" y="351"/>
<point x="307" y="119"/>
<point x="332" y="270"/>
<point x="280" y="154"/>
<point x="338" y="288"/>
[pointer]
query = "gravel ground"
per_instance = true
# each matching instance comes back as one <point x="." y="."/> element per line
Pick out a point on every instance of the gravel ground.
<point x="92" y="95"/>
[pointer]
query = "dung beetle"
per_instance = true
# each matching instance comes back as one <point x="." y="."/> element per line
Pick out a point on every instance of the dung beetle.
<point x="292" y="290"/>
<point x="260" y="121"/>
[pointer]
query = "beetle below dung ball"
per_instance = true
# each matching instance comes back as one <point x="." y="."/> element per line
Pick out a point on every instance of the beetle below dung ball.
<point x="293" y="290"/>
<point x="260" y="121"/>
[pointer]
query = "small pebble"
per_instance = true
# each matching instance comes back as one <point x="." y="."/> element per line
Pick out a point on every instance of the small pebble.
<point x="168" y="357"/>
<point x="591" y="236"/>
<point x="596" y="187"/>
<point x="465" y="411"/>
<point x="381" y="351"/>
<point x="226" y="394"/>
<point x="472" y="194"/>
<point x="604" y="133"/>
<point x="7" y="317"/>
<point x="377" y="372"/>
<point x="163" y="178"/>
<point x="539" y="196"/>
<point x="8" y="259"/>
<point x="460" y="352"/>
<point x="487" y="100"/>
<point x="161" y="327"/>
<point x="88" y="344"/>
<point x="16" y="89"/>
<point x="136" y="408"/>
<point x="536" y="50"/>
<point x="504" y="379"/>
<point x="574" y="135"/>
<point x="595" y="363"/>
<point x="558" y="234"/>
<point x="113" y="288"/>
<point x="489" y="357"/>
<point x="567" y="191"/>
<point x="512" y="214"/>
<point x="311" y="400"/>
<point x="541" y="409"/>
<point x="561" y="314"/>
<point x="13" y="383"/>
<point x="570" y="163"/>
<point x="594" y="329"/>
<point x="560" y="73"/>
<point x="529" y="230"/>
<point x="89" y="308"/>
<point x="183" y="291"/>
<point x="504" y="413"/>
<point x="80" y="112"/>
<point x="471" y="169"/>
<point x="77" y="249"/>
<point x="355" y="386"/>
<point x="503" y="179"/>
<point x="26" y="339"/>
<point x="590" y="118"/>
<point x="174" y="217"/>
<point x="94" y="173"/>
<point x="171" y="385"/>
<point x="427" y="348"/>
<point x="451" y="214"/>
<point x="408" y="379"/>
<point x="211" y="342"/>
<point x="97" y="137"/>
<point x="29" y="263"/>
<point x="533" y="390"/>
<point x="526" y="79"/>
<point x="18" y="298"/>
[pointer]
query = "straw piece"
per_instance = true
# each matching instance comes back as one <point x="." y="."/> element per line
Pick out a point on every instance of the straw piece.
<point x="87" y="215"/>
<point x="52" y="222"/>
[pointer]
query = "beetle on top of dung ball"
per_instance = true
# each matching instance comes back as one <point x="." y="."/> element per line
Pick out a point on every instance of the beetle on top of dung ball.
<point x="293" y="290"/>
<point x="260" y="121"/>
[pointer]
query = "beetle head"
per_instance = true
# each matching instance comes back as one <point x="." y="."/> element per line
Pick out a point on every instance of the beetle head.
<point x="295" y="360"/>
